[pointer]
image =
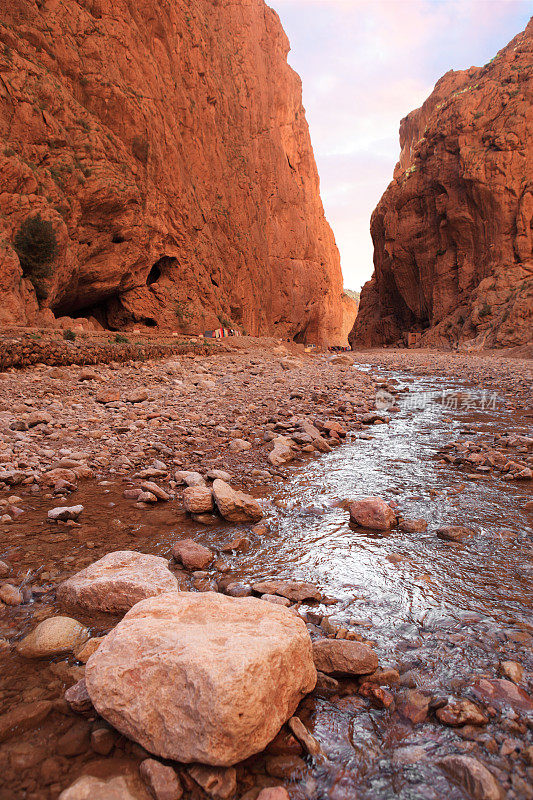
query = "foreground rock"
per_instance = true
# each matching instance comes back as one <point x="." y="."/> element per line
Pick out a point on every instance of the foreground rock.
<point x="53" y="637"/>
<point x="117" y="581"/>
<point x="235" y="506"/>
<point x="344" y="657"/>
<point x="373" y="513"/>
<point x="202" y="677"/>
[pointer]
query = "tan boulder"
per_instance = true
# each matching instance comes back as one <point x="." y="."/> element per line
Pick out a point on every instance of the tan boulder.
<point x="373" y="513"/>
<point x="10" y="595"/>
<point x="138" y="395"/>
<point x="52" y="637"/>
<point x="117" y="581"/>
<point x="202" y="677"/>
<point x="235" y="506"/>
<point x="511" y="670"/>
<point x="461" y="712"/>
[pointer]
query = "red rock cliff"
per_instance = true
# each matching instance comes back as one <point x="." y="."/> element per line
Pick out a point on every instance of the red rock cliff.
<point x="167" y="142"/>
<point x="453" y="232"/>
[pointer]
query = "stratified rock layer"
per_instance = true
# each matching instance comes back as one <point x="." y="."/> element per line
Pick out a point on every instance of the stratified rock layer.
<point x="167" y="143"/>
<point x="453" y="232"/>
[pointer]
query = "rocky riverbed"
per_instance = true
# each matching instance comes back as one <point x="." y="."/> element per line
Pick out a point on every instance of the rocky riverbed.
<point x="241" y="477"/>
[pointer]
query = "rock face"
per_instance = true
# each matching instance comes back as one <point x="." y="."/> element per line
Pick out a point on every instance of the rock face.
<point x="202" y="677"/>
<point x="453" y="232"/>
<point x="168" y="145"/>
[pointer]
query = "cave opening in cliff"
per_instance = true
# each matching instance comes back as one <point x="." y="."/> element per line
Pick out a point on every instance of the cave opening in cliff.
<point x="161" y="266"/>
<point x="153" y="275"/>
<point x="300" y="336"/>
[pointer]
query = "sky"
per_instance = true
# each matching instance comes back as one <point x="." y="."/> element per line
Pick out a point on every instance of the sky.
<point x="365" y="64"/>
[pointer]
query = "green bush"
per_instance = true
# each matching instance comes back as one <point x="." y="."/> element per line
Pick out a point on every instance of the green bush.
<point x="182" y="311"/>
<point x="69" y="335"/>
<point x="36" y="246"/>
<point x="121" y="339"/>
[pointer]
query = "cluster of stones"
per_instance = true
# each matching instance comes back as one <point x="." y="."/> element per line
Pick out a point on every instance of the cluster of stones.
<point x="509" y="455"/>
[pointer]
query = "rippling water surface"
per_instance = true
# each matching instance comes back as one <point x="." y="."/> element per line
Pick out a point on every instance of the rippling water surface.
<point x="444" y="612"/>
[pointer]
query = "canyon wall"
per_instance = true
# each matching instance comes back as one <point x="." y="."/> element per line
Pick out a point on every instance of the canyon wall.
<point x="166" y="142"/>
<point x="453" y="232"/>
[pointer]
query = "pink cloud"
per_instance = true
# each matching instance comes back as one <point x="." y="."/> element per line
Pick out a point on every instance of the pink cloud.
<point x="364" y="65"/>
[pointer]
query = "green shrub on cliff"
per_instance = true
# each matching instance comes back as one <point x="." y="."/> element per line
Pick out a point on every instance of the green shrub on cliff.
<point x="36" y="246"/>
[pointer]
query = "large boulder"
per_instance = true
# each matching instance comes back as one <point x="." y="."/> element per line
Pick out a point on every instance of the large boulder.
<point x="117" y="581"/>
<point x="373" y="513"/>
<point x="202" y="677"/>
<point x="235" y="506"/>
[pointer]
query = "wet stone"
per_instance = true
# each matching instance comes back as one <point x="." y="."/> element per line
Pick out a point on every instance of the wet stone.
<point x="473" y="776"/>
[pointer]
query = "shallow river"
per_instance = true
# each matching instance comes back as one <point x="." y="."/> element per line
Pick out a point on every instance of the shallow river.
<point x="443" y="613"/>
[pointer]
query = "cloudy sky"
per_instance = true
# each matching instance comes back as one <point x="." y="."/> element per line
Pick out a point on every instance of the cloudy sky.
<point x="365" y="64"/>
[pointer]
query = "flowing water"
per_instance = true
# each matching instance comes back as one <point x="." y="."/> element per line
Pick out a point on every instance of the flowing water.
<point x="443" y="613"/>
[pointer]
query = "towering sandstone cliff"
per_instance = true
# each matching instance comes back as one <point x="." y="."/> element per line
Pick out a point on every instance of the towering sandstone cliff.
<point x="167" y="143"/>
<point x="453" y="232"/>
